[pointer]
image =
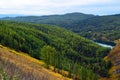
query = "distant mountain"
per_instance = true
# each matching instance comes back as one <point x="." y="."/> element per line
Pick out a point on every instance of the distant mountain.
<point x="66" y="20"/>
<point x="10" y="15"/>
<point x="99" y="28"/>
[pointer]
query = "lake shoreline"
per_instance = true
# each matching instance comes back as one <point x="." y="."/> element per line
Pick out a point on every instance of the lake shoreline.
<point x="105" y="42"/>
<point x="104" y="45"/>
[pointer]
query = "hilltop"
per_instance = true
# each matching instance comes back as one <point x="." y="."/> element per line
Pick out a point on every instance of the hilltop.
<point x="65" y="20"/>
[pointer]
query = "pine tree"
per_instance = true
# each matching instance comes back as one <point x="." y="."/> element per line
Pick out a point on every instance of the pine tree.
<point x="48" y="55"/>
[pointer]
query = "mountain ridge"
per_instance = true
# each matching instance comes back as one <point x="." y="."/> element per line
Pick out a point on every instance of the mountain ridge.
<point x="59" y="20"/>
<point x="99" y="28"/>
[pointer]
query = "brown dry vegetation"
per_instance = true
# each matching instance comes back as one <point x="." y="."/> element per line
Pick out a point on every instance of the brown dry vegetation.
<point x="114" y="57"/>
<point x="20" y="66"/>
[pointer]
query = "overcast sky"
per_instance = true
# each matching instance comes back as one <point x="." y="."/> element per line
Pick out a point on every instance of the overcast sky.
<point x="46" y="7"/>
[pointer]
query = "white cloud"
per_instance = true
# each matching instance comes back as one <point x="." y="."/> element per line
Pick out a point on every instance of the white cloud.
<point x="46" y="6"/>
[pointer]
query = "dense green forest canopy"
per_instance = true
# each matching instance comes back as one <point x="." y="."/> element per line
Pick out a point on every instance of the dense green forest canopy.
<point x="70" y="47"/>
<point x="103" y="28"/>
<point x="106" y="28"/>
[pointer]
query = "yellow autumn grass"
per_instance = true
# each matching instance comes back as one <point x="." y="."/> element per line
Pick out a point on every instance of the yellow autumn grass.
<point x="29" y="64"/>
<point x="114" y="56"/>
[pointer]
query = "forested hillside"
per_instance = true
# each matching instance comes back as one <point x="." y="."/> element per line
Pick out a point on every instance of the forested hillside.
<point x="100" y="28"/>
<point x="66" y="20"/>
<point x="105" y="28"/>
<point x="58" y="47"/>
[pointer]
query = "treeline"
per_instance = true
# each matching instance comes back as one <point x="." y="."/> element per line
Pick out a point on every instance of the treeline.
<point x="69" y="47"/>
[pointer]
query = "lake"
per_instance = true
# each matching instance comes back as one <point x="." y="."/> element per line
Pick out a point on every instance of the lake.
<point x="104" y="45"/>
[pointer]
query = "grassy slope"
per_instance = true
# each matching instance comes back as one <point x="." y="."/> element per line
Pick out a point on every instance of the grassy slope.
<point x="114" y="57"/>
<point x="25" y="66"/>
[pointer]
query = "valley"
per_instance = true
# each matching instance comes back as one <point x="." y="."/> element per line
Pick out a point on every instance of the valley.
<point x="75" y="54"/>
<point x="60" y="47"/>
<point x="59" y="39"/>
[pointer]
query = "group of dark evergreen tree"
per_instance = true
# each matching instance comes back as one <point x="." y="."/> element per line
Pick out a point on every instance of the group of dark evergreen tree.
<point x="50" y="56"/>
<point x="58" y="47"/>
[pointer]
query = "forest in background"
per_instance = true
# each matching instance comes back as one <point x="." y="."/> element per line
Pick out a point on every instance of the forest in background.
<point x="105" y="29"/>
